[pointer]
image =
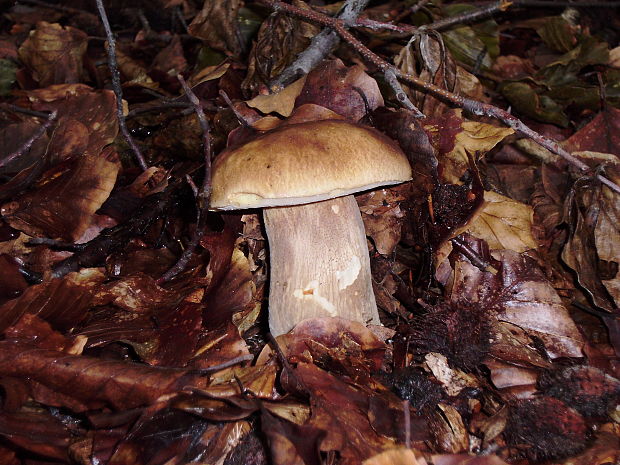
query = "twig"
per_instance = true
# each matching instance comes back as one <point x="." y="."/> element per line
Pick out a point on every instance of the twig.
<point x="473" y="256"/>
<point x="456" y="100"/>
<point x="321" y="44"/>
<point x="65" y="9"/>
<point x="28" y="144"/>
<point x="116" y="85"/>
<point x="25" y="111"/>
<point x="239" y="116"/>
<point x="203" y="195"/>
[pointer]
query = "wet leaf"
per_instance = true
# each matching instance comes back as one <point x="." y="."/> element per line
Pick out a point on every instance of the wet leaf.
<point x="62" y="302"/>
<point x="522" y="296"/>
<point x="63" y="205"/>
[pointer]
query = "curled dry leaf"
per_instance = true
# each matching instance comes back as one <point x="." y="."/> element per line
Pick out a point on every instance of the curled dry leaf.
<point x="54" y="53"/>
<point x="348" y="91"/>
<point x="503" y="223"/>
<point x="281" y="102"/>
<point x="593" y="248"/>
<point x="216" y="23"/>
<point x="382" y="218"/>
<point x="280" y="39"/>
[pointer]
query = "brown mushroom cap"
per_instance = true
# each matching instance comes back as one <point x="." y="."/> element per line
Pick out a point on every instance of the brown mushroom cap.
<point x="306" y="162"/>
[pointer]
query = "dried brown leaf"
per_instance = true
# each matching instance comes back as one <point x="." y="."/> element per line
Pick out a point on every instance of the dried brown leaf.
<point x="348" y="91"/>
<point x="54" y="53"/>
<point x="63" y="205"/>
<point x="119" y="385"/>
<point x="503" y="223"/>
<point x="593" y="248"/>
<point x="216" y="23"/>
<point x="280" y="39"/>
<point x="62" y="302"/>
<point x="520" y="294"/>
<point x="602" y="134"/>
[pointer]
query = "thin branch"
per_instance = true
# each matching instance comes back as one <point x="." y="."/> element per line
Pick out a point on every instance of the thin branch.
<point x="116" y="85"/>
<point x="321" y="45"/>
<point x="242" y="121"/>
<point x="203" y="196"/>
<point x="26" y="111"/>
<point x="28" y="144"/>
<point x="444" y="95"/>
<point x="473" y="256"/>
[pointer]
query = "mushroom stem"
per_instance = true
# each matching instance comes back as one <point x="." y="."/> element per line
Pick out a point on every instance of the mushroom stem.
<point x="319" y="264"/>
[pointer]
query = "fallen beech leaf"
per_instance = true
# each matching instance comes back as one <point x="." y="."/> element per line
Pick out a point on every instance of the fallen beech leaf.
<point x="54" y="54"/>
<point x="209" y="73"/>
<point x="170" y="59"/>
<point x="521" y="295"/>
<point x="465" y="459"/>
<point x="602" y="134"/>
<point x="394" y="457"/>
<point x="281" y="102"/>
<point x="339" y="410"/>
<point x="12" y="137"/>
<point x="216" y="23"/>
<point x="382" y="218"/>
<point x="593" y="248"/>
<point x="117" y="384"/>
<point x="280" y="39"/>
<point x="87" y="120"/>
<point x="518" y="382"/>
<point x="291" y="444"/>
<point x="457" y="137"/>
<point x="427" y="58"/>
<point x="448" y="430"/>
<point x="63" y="205"/>
<point x="339" y="88"/>
<point x="503" y="223"/>
<point x="61" y="302"/>
<point x="37" y="432"/>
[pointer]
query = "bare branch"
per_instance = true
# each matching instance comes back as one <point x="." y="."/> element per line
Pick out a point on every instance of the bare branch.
<point x="116" y="85"/>
<point x="444" y="95"/>
<point x="28" y="144"/>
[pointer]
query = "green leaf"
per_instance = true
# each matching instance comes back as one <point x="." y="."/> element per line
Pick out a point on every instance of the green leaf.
<point x="558" y="34"/>
<point x="539" y="107"/>
<point x="7" y="76"/>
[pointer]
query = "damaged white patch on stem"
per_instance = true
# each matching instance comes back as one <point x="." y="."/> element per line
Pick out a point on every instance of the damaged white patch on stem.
<point x="311" y="292"/>
<point x="348" y="276"/>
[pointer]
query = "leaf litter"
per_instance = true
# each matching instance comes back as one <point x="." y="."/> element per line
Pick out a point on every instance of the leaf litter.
<point x="495" y="270"/>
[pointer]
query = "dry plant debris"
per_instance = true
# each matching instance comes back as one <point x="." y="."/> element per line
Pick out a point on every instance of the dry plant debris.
<point x="134" y="318"/>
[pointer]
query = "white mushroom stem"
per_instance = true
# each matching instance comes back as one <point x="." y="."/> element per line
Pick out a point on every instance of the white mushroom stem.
<point x="319" y="264"/>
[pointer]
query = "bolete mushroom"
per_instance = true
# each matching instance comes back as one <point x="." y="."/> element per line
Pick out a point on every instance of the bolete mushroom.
<point x="303" y="176"/>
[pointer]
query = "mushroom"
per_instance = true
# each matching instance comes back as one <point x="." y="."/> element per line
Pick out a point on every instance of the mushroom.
<point x="303" y="176"/>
